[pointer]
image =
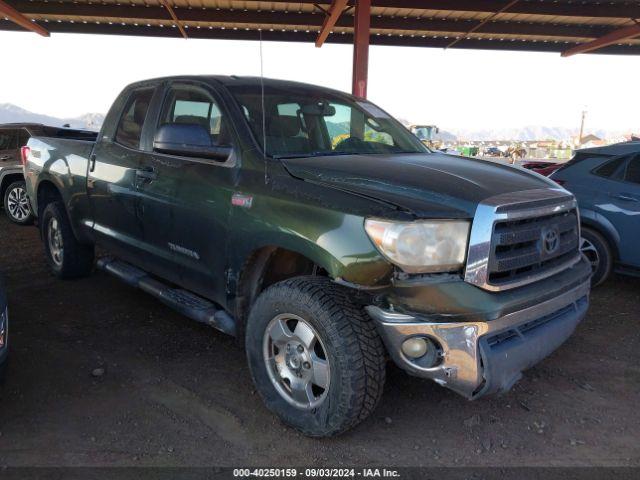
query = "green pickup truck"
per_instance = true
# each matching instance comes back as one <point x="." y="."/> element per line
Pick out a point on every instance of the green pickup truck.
<point x="315" y="228"/>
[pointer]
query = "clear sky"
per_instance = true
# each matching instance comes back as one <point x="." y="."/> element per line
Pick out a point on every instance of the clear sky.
<point x="68" y="75"/>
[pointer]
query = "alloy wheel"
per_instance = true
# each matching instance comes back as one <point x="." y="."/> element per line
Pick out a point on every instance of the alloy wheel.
<point x="54" y="238"/>
<point x="18" y="204"/>
<point x="591" y="252"/>
<point x="296" y="361"/>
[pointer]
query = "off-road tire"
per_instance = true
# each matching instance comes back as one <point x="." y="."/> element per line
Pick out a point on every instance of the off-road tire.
<point x="355" y="353"/>
<point x="77" y="260"/>
<point x="28" y="220"/>
<point x="605" y="254"/>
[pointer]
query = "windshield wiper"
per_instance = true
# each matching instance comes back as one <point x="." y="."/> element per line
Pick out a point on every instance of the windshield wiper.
<point x="314" y="154"/>
<point x="294" y="155"/>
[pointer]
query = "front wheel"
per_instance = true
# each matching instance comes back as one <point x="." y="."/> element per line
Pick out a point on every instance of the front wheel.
<point x="597" y="250"/>
<point x="315" y="356"/>
<point x="16" y="204"/>
<point x="67" y="257"/>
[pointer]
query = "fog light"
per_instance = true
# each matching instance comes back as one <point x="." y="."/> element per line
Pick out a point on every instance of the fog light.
<point x="415" y="347"/>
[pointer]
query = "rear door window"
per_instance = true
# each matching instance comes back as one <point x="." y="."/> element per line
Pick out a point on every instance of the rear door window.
<point x="133" y="116"/>
<point x="632" y="173"/>
<point x="611" y="169"/>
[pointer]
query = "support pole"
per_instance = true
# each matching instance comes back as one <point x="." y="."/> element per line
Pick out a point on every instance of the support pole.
<point x="584" y="114"/>
<point x="176" y="20"/>
<point x="362" y="25"/>
<point x="335" y="10"/>
<point x="612" y="38"/>
<point x="18" y="18"/>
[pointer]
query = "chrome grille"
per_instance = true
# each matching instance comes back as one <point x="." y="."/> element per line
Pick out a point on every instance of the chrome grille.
<point x="521" y="237"/>
<point x="518" y="247"/>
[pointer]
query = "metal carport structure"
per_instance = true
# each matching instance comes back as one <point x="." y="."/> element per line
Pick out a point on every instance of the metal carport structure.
<point x="563" y="26"/>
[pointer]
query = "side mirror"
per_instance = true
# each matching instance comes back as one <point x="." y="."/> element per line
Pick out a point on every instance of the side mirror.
<point x="188" y="140"/>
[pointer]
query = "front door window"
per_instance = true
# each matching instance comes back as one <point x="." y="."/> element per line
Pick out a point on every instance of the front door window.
<point x="190" y="104"/>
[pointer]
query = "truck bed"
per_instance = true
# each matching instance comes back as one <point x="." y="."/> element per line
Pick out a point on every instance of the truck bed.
<point x="60" y="165"/>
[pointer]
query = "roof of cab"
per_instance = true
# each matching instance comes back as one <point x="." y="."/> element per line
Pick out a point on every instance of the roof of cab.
<point x="235" y="80"/>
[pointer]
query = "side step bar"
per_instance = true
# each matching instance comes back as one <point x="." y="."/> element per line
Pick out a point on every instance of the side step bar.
<point x="185" y="302"/>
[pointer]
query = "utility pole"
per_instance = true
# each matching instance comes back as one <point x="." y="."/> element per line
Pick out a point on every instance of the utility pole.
<point x="584" y="114"/>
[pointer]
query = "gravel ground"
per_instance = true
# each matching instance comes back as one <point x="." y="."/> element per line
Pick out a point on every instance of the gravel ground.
<point x="104" y="375"/>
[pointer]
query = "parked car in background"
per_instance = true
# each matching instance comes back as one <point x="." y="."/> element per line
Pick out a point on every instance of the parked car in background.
<point x="319" y="230"/>
<point x="4" y="331"/>
<point x="606" y="182"/>
<point x="493" y="152"/>
<point x="543" y="168"/>
<point x="13" y="137"/>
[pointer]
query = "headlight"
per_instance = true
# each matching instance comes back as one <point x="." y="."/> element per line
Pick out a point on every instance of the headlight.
<point x="423" y="246"/>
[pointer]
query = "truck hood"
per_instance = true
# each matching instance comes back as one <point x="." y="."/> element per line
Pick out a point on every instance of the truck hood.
<point x="428" y="185"/>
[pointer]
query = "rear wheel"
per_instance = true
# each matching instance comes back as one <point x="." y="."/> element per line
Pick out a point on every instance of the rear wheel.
<point x="597" y="250"/>
<point x="67" y="257"/>
<point x="315" y="357"/>
<point x="16" y="204"/>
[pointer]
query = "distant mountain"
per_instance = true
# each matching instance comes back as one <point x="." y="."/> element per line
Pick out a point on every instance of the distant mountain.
<point x="445" y="136"/>
<point x="10" y="113"/>
<point x="531" y="132"/>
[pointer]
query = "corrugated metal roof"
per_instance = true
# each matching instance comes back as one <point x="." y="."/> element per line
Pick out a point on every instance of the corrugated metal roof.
<point x="539" y="25"/>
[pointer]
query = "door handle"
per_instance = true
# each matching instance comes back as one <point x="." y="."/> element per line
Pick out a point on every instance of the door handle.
<point x="92" y="162"/>
<point x="147" y="174"/>
<point x="626" y="197"/>
<point x="5" y="157"/>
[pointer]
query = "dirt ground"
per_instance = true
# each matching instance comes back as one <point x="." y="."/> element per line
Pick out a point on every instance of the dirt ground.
<point x="176" y="393"/>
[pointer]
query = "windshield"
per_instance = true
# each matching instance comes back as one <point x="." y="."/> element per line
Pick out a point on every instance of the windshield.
<point x="313" y="123"/>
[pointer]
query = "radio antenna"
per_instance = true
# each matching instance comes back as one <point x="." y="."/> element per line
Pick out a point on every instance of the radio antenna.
<point x="264" y="119"/>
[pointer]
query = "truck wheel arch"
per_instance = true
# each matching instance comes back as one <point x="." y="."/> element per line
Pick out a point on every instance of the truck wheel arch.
<point x="47" y="192"/>
<point x="264" y="267"/>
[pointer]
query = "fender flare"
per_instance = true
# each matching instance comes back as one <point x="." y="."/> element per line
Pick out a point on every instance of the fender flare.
<point x="58" y="184"/>
<point x="596" y="221"/>
<point x="322" y="251"/>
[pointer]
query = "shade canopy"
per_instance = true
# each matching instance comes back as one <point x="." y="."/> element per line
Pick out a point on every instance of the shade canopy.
<point x="533" y="25"/>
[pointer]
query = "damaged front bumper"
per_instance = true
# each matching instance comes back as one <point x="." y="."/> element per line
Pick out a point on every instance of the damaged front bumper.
<point x="484" y="356"/>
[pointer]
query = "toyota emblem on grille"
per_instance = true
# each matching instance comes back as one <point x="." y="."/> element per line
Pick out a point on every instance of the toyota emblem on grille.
<point x="550" y="240"/>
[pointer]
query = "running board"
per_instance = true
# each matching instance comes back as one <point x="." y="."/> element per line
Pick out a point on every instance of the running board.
<point x="183" y="301"/>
